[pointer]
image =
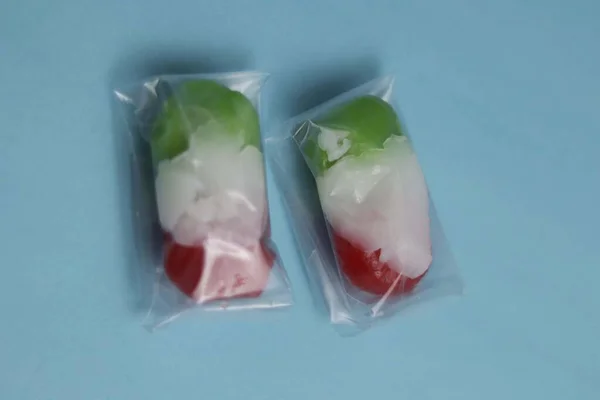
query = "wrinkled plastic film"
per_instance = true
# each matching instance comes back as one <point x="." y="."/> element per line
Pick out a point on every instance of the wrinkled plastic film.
<point x="378" y="245"/>
<point x="201" y="201"/>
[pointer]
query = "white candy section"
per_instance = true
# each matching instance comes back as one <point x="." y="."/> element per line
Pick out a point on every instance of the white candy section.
<point x="334" y="143"/>
<point x="380" y="201"/>
<point x="213" y="189"/>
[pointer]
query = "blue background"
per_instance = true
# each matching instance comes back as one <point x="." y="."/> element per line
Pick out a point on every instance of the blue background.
<point x="503" y="102"/>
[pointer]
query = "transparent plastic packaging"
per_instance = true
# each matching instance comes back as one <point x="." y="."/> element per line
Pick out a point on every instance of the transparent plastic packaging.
<point x="201" y="210"/>
<point x="361" y="213"/>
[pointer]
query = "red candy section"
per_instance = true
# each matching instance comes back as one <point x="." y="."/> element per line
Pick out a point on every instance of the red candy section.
<point x="367" y="272"/>
<point x="218" y="270"/>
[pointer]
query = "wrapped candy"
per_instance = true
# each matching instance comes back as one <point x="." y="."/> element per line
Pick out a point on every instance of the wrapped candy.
<point x="379" y="224"/>
<point x="204" y="141"/>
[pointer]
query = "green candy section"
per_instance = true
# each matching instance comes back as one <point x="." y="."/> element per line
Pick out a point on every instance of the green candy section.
<point x="203" y="108"/>
<point x="362" y="124"/>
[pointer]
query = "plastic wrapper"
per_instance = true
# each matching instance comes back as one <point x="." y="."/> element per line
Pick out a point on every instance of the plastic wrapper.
<point x="199" y="194"/>
<point x="360" y="209"/>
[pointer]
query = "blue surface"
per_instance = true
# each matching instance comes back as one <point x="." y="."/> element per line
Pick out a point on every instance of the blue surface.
<point x="502" y="100"/>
